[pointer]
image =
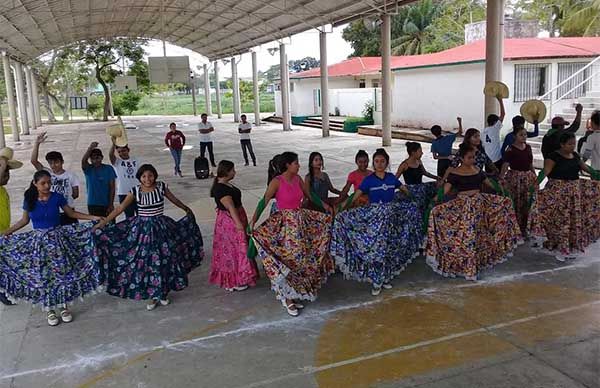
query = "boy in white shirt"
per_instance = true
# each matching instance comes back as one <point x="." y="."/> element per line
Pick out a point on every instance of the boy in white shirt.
<point x="61" y="181"/>
<point x="126" y="169"/>
<point x="490" y="137"/>
<point x="244" y="129"/>
<point x="205" y="128"/>
<point x="591" y="147"/>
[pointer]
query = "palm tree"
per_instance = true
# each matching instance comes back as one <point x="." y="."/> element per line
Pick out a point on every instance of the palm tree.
<point x="415" y="29"/>
<point x="584" y="19"/>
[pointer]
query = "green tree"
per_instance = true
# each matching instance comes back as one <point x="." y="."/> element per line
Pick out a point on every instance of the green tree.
<point x="103" y="54"/>
<point x="447" y="30"/>
<point x="549" y="13"/>
<point x="128" y="101"/>
<point x="416" y="33"/>
<point x="140" y="70"/>
<point x="364" y="37"/>
<point x="583" y="20"/>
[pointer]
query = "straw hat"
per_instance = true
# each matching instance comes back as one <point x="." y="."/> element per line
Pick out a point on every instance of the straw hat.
<point x="533" y="109"/>
<point x="118" y="132"/>
<point x="8" y="154"/>
<point x="496" y="89"/>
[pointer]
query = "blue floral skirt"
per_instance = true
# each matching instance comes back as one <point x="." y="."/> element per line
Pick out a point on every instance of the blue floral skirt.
<point x="49" y="267"/>
<point x="421" y="194"/>
<point x="376" y="242"/>
<point x="147" y="257"/>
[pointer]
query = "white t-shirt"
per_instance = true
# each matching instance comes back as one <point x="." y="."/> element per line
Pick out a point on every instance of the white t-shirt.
<point x="592" y="146"/>
<point x="63" y="184"/>
<point x="205" y="137"/>
<point x="244" y="127"/>
<point x="126" y="170"/>
<point x="490" y="139"/>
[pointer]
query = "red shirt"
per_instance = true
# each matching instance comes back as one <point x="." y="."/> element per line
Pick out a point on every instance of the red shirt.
<point x="175" y="140"/>
<point x="517" y="159"/>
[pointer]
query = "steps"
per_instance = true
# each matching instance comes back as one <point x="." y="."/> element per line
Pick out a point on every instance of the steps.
<point x="335" y="123"/>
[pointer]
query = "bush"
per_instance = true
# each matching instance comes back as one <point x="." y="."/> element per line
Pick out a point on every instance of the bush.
<point x="95" y="105"/>
<point x="126" y="102"/>
<point x="368" y="111"/>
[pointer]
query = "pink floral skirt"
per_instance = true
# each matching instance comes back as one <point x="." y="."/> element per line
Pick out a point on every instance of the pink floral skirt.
<point x="230" y="267"/>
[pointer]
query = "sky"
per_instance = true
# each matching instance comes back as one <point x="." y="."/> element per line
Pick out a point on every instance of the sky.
<point x="302" y="45"/>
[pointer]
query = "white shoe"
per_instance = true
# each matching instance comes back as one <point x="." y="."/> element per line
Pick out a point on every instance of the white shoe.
<point x="52" y="318"/>
<point x="375" y="291"/>
<point x="152" y="305"/>
<point x="229" y="289"/>
<point x="387" y="286"/>
<point x="290" y="308"/>
<point x="299" y="305"/>
<point x="66" y="316"/>
<point x="165" y="302"/>
<point x="241" y="288"/>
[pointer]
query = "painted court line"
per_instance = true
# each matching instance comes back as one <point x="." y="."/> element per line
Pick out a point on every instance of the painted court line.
<point x="96" y="360"/>
<point x="308" y="370"/>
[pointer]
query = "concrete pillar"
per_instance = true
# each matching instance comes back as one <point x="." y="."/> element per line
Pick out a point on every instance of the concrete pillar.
<point x="386" y="81"/>
<point x="10" y="93"/>
<point x="324" y="83"/>
<point x="21" y="98"/>
<point x="217" y="88"/>
<point x="207" y="102"/>
<point x="30" y="97"/>
<point x="236" y="91"/>
<point x="36" y="100"/>
<point x="193" y="87"/>
<point x="2" y="138"/>
<point x="255" y="89"/>
<point x="494" y="49"/>
<point x="285" y="88"/>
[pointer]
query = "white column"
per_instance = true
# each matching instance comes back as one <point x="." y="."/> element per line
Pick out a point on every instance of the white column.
<point x="386" y="81"/>
<point x="208" y="102"/>
<point x="30" y="108"/>
<point x="255" y="89"/>
<point x="36" y="100"/>
<point x="10" y="93"/>
<point x="21" y="98"/>
<point x="193" y="87"/>
<point x="494" y="49"/>
<point x="2" y="137"/>
<point x="324" y="83"/>
<point x="236" y="91"/>
<point x="111" y="106"/>
<point x="285" y="87"/>
<point x="217" y="88"/>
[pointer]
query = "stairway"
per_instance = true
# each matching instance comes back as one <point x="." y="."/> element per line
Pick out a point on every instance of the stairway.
<point x="335" y="123"/>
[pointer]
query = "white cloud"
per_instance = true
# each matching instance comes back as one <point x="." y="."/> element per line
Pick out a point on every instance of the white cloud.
<point x="302" y="45"/>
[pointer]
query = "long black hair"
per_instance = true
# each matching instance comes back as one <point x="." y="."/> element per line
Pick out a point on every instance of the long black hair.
<point x="469" y="134"/>
<point x="286" y="158"/>
<point x="223" y="169"/>
<point x="313" y="155"/>
<point x="32" y="194"/>
<point x="273" y="168"/>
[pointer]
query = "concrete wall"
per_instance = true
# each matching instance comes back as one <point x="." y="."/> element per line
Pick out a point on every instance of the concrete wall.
<point x="351" y="102"/>
<point x="512" y="29"/>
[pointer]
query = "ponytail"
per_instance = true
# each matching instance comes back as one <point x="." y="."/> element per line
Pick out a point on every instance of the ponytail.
<point x="32" y="194"/>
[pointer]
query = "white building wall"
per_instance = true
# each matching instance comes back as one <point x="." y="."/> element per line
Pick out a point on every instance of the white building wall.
<point x="351" y="102"/>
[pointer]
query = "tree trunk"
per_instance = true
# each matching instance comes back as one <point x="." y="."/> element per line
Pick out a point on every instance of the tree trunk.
<point x="65" y="107"/>
<point x="106" y="94"/>
<point x="57" y="102"/>
<point x="47" y="105"/>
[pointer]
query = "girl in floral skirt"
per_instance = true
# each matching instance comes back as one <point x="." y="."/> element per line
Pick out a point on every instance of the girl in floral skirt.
<point x="412" y="170"/>
<point x="375" y="243"/>
<point x="356" y="177"/>
<point x="230" y="267"/>
<point x="482" y="160"/>
<point x="567" y="211"/>
<point x="293" y="243"/>
<point x="51" y="265"/>
<point x="149" y="255"/>
<point x="519" y="176"/>
<point x="319" y="183"/>
<point x="474" y="230"/>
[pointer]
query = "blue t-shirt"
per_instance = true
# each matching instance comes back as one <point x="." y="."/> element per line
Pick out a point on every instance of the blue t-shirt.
<point x="443" y="145"/>
<point x="380" y="190"/>
<point x="98" y="184"/>
<point x="46" y="214"/>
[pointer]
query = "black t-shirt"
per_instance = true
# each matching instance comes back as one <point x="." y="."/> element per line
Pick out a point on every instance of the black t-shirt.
<point x="222" y="190"/>
<point x="565" y="169"/>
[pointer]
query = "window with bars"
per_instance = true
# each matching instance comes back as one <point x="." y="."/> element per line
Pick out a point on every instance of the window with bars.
<point x="565" y="70"/>
<point x="531" y="81"/>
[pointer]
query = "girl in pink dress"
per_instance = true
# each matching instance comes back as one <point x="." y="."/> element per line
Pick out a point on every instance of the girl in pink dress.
<point x="293" y="243"/>
<point x="230" y="267"/>
<point x="356" y="177"/>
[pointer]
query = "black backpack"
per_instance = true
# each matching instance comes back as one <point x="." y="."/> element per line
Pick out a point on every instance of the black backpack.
<point x="201" y="168"/>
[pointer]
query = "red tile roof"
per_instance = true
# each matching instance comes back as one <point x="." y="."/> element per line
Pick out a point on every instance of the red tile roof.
<point x="527" y="48"/>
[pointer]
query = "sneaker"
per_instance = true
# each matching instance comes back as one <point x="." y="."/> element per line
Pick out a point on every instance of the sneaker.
<point x="180" y="174"/>
<point x="4" y="300"/>
<point x="52" y="318"/>
<point x="299" y="305"/>
<point x="240" y="288"/>
<point x="165" y="302"/>
<point x="229" y="289"/>
<point x="254" y="164"/>
<point x="376" y="290"/>
<point x="151" y="305"/>
<point x="246" y="164"/>
<point x="387" y="286"/>
<point x="66" y="316"/>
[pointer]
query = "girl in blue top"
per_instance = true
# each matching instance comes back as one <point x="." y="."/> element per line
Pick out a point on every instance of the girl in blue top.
<point x="52" y="264"/>
<point x="374" y="243"/>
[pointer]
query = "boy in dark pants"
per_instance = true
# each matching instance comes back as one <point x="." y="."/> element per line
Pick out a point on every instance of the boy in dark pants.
<point x="244" y="129"/>
<point x="441" y="147"/>
<point x="100" y="182"/>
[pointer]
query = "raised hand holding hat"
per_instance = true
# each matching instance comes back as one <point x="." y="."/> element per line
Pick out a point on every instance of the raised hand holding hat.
<point x="496" y="89"/>
<point x="533" y="111"/>
<point x="7" y="154"/>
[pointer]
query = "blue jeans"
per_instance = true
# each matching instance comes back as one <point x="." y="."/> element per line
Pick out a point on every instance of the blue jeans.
<point x="177" y="158"/>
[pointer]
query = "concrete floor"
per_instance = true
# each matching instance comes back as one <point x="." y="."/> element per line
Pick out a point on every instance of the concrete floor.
<point x="531" y="322"/>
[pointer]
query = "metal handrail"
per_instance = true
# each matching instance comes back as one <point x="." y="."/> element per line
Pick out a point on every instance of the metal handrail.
<point x="551" y="91"/>
<point x="575" y="87"/>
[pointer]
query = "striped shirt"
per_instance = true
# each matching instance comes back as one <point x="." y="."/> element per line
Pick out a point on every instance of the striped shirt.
<point x="152" y="203"/>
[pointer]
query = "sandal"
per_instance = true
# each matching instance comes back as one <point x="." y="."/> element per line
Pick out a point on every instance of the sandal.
<point x="151" y="305"/>
<point x="52" y="318"/>
<point x="290" y="308"/>
<point x="66" y="316"/>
